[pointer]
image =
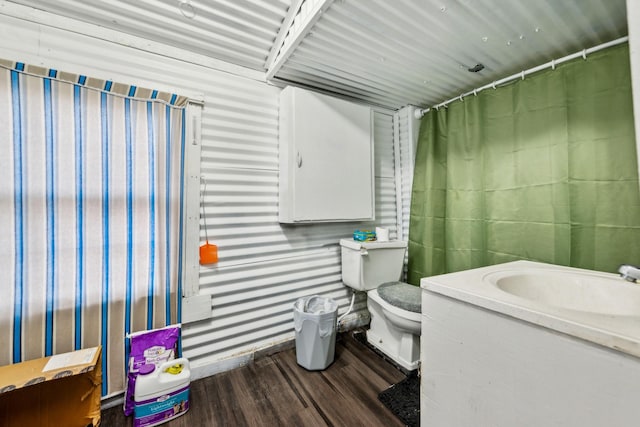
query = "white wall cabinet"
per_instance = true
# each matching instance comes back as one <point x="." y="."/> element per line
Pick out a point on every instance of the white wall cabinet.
<point x="326" y="159"/>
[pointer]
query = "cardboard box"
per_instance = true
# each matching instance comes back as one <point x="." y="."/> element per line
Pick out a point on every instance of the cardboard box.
<point x="60" y="390"/>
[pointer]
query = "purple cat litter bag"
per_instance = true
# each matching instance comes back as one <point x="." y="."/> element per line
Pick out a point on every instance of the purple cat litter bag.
<point x="148" y="347"/>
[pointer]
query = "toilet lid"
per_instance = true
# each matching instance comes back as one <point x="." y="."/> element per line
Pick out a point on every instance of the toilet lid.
<point x="401" y="295"/>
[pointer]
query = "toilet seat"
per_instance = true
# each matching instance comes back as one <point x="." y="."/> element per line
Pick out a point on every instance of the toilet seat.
<point x="402" y="295"/>
<point x="408" y="319"/>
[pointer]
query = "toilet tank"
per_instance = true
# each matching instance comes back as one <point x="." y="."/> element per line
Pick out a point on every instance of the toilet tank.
<point x="366" y="265"/>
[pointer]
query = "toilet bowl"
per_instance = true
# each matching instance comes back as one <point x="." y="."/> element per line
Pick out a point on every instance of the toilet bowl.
<point x="375" y="267"/>
<point x="394" y="331"/>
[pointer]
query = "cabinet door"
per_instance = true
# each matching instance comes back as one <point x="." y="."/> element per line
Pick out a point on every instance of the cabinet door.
<point x="333" y="159"/>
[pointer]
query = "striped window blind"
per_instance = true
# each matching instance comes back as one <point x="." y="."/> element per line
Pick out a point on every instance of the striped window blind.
<point x="91" y="184"/>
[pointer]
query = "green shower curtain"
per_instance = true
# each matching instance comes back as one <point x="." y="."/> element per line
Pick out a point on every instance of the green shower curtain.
<point x="542" y="169"/>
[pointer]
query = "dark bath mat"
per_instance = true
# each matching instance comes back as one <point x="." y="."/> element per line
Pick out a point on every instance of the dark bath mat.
<point x="403" y="399"/>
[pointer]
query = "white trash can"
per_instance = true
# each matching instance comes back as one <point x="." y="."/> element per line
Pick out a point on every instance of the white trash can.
<point x="314" y="319"/>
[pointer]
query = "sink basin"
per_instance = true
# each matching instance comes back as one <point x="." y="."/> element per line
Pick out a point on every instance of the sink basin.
<point x="587" y="292"/>
<point x="591" y="305"/>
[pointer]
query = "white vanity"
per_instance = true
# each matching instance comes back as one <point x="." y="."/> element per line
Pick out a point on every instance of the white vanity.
<point x="530" y="344"/>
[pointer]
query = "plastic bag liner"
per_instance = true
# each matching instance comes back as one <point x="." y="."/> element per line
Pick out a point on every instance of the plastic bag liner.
<point x="314" y="319"/>
<point x="155" y="346"/>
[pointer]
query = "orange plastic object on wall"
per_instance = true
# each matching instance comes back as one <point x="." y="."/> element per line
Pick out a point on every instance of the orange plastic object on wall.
<point x="208" y="251"/>
<point x="208" y="254"/>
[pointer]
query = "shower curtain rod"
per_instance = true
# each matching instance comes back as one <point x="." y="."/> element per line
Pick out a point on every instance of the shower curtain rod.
<point x="552" y="64"/>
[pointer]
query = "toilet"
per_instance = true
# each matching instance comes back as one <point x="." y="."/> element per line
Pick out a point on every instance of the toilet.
<point x="395" y="307"/>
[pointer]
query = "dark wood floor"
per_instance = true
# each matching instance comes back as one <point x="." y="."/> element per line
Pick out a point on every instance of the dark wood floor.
<point x="276" y="391"/>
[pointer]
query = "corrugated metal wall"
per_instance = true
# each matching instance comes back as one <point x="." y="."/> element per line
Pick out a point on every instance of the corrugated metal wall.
<point x="263" y="266"/>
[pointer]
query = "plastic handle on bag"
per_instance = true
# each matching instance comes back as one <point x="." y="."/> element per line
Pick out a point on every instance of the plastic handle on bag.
<point x="166" y="366"/>
<point x="307" y="302"/>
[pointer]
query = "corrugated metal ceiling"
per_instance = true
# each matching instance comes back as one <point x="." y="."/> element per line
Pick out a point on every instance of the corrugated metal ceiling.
<point x="390" y="53"/>
<point x="241" y="32"/>
<point x="419" y="52"/>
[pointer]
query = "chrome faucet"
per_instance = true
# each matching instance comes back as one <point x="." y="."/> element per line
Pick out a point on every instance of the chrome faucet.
<point x="629" y="272"/>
